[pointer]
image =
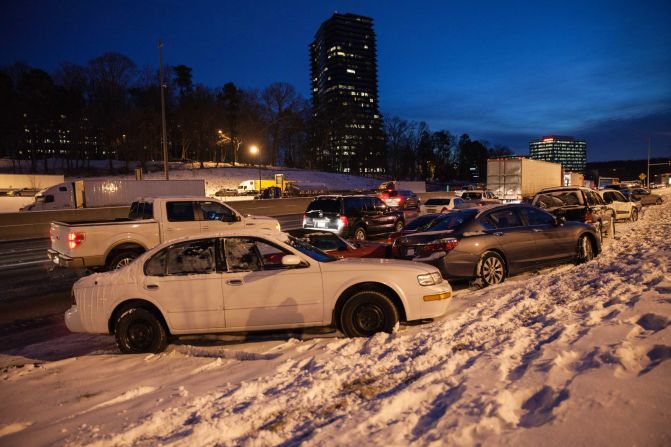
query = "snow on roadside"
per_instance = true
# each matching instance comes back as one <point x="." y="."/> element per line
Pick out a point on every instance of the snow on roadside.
<point x="576" y="355"/>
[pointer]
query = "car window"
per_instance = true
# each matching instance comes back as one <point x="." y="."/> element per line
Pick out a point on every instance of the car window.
<point x="240" y="255"/>
<point x="378" y="205"/>
<point x="353" y="205"/>
<point x="186" y="258"/>
<point x="271" y="255"/>
<point x="536" y="216"/>
<point x="450" y="221"/>
<point x="180" y="211"/>
<point x="437" y="202"/>
<point x="471" y="195"/>
<point x="141" y="210"/>
<point x="325" y="204"/>
<point x="311" y="251"/>
<point x="618" y="196"/>
<point x="552" y="199"/>
<point x="505" y="218"/>
<point x="216" y="211"/>
<point x="593" y="199"/>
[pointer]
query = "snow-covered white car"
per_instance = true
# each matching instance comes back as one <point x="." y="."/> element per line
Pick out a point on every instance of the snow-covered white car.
<point x="621" y="206"/>
<point x="247" y="280"/>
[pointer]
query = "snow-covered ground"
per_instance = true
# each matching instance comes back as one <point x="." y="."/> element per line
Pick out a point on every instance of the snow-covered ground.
<point x="574" y="355"/>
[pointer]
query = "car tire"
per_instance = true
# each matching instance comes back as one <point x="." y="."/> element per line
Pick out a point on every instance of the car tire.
<point x="360" y="234"/>
<point x="368" y="312"/>
<point x="491" y="269"/>
<point x="398" y="226"/>
<point x="658" y="201"/>
<point x="137" y="330"/>
<point x="585" y="249"/>
<point x="121" y="259"/>
<point x="634" y="215"/>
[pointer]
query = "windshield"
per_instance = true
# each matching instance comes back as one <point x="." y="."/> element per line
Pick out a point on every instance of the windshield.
<point x="310" y="251"/>
<point x="421" y="222"/>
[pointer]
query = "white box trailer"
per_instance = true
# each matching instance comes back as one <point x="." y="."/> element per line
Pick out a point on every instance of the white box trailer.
<point x="13" y="183"/>
<point x="513" y="179"/>
<point x="111" y="192"/>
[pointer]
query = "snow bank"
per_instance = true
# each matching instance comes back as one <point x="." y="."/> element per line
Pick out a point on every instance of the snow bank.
<point x="573" y="355"/>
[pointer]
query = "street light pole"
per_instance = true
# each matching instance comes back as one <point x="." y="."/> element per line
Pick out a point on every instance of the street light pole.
<point x="255" y="150"/>
<point x="165" y="135"/>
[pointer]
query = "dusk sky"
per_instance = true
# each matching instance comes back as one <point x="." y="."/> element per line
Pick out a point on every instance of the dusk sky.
<point x="504" y="71"/>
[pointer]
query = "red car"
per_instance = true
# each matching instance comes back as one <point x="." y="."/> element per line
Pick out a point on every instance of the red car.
<point x="334" y="245"/>
<point x="402" y="199"/>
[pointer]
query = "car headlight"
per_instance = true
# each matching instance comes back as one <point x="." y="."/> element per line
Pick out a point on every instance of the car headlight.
<point x="429" y="279"/>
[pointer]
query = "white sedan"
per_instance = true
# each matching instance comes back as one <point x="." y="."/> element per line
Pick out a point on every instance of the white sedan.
<point x="247" y="280"/>
<point x="440" y="204"/>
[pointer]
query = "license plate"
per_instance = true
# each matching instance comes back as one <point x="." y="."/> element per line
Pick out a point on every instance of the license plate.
<point x="430" y="210"/>
<point x="321" y="224"/>
<point x="410" y="252"/>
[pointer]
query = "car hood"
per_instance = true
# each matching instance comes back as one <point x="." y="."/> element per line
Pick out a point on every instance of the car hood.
<point x="372" y="265"/>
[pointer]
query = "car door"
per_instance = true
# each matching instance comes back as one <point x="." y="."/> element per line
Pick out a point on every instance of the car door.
<point x="552" y="242"/>
<point x="216" y="217"/>
<point x="184" y="279"/>
<point x="260" y="292"/>
<point x="513" y="238"/>
<point x="181" y="220"/>
<point x="619" y="203"/>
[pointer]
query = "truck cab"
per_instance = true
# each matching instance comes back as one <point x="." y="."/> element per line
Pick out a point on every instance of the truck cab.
<point x="53" y="198"/>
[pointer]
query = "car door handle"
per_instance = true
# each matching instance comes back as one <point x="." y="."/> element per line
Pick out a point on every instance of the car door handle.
<point x="234" y="282"/>
<point x="498" y="233"/>
<point x="152" y="286"/>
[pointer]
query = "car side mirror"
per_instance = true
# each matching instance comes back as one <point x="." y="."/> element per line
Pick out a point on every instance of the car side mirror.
<point x="291" y="260"/>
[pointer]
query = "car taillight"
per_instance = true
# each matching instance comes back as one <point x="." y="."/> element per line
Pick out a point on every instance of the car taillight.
<point x="74" y="239"/>
<point x="440" y="245"/>
<point x="589" y="218"/>
<point x="343" y="221"/>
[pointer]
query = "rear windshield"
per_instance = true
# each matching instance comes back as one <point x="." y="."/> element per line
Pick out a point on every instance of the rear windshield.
<point x="421" y="221"/>
<point x="438" y="202"/>
<point x="554" y="199"/>
<point x="141" y="210"/>
<point x="325" y="204"/>
<point x="471" y="195"/>
<point x="453" y="220"/>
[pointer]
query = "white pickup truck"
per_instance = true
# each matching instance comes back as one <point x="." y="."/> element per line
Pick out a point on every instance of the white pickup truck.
<point x="108" y="245"/>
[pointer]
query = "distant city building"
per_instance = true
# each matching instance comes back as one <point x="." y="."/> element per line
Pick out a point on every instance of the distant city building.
<point x="571" y="153"/>
<point x="53" y="139"/>
<point x="347" y="133"/>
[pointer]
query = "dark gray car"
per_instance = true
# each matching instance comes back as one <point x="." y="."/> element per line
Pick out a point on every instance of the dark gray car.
<point x="493" y="242"/>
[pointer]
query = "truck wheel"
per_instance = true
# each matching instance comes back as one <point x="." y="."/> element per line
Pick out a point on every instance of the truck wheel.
<point x="360" y="233"/>
<point x="138" y="330"/>
<point x="368" y="312"/>
<point x="121" y="259"/>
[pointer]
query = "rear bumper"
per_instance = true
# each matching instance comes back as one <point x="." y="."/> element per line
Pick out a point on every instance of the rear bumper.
<point x="62" y="260"/>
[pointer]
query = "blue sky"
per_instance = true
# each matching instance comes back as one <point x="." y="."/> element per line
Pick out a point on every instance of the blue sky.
<point x="504" y="71"/>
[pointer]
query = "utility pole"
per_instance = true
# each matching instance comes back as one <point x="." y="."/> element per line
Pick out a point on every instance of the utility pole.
<point x="165" y="135"/>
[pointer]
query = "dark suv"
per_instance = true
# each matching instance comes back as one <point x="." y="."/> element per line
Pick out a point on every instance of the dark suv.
<point x="352" y="216"/>
<point x="580" y="204"/>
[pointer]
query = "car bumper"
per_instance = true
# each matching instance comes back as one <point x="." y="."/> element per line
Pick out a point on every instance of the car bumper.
<point x="62" y="260"/>
<point x="435" y="300"/>
<point x="73" y="320"/>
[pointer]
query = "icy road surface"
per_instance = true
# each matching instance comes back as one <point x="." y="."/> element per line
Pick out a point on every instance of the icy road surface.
<point x="576" y="355"/>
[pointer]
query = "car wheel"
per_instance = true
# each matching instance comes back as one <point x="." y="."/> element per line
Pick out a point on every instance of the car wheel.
<point x="491" y="269"/>
<point x="360" y="233"/>
<point x="138" y="330"/>
<point x="634" y="215"/>
<point x="585" y="251"/>
<point x="121" y="259"/>
<point x="398" y="226"/>
<point x="368" y="312"/>
<point x="658" y="201"/>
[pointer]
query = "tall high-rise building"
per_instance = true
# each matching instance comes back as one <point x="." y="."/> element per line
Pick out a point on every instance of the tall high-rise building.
<point x="347" y="133"/>
<point x="571" y="153"/>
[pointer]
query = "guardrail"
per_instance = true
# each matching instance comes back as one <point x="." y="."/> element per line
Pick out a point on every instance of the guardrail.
<point x="35" y="224"/>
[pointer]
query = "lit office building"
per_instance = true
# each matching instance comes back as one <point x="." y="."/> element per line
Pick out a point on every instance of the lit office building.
<point x="568" y="151"/>
<point x="347" y="134"/>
